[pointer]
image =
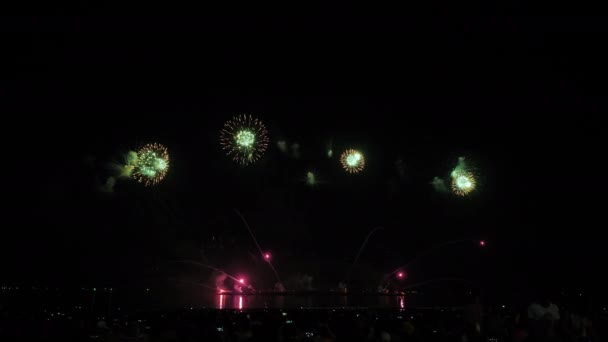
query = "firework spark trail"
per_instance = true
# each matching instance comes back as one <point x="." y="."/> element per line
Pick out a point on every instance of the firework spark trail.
<point x="204" y="265"/>
<point x="429" y="251"/>
<point x="360" y="251"/>
<point x="258" y="245"/>
<point x="193" y="283"/>
<point x="244" y="138"/>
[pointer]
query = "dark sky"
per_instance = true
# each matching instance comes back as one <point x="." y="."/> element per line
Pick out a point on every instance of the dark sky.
<point x="521" y="96"/>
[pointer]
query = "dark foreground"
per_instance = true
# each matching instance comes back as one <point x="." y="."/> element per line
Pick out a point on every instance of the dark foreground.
<point x="455" y="324"/>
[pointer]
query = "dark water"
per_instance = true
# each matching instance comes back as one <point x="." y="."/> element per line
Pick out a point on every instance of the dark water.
<point x="163" y="298"/>
<point x="241" y="302"/>
<point x="197" y="298"/>
<point x="186" y="298"/>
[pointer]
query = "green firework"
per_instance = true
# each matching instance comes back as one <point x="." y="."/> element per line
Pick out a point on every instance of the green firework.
<point x="463" y="180"/>
<point x="151" y="164"/>
<point x="353" y="161"/>
<point x="244" y="138"/>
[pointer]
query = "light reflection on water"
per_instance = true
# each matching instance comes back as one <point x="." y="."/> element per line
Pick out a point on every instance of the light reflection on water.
<point x="241" y="302"/>
<point x="221" y="301"/>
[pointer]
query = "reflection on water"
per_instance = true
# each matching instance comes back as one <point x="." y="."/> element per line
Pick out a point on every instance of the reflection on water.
<point x="241" y="302"/>
<point x="221" y="301"/>
<point x="234" y="302"/>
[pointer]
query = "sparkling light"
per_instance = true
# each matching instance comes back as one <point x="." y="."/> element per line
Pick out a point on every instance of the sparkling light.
<point x="151" y="164"/>
<point x="353" y="161"/>
<point x="244" y="138"/>
<point x="482" y="243"/>
<point x="463" y="182"/>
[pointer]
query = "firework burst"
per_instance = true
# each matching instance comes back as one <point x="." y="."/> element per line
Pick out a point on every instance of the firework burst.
<point x="352" y="161"/>
<point x="151" y="164"/>
<point x="244" y="138"/>
<point x="463" y="182"/>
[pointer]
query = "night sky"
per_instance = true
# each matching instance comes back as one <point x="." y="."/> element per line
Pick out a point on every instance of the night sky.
<point x="522" y="97"/>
